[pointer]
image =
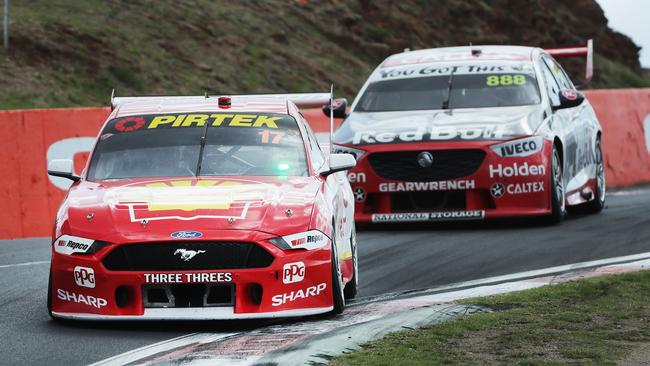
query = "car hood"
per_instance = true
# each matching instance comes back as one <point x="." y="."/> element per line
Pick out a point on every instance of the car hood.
<point x="471" y="124"/>
<point x="159" y="207"/>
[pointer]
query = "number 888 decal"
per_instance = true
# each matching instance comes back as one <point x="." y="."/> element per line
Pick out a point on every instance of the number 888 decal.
<point x="499" y="80"/>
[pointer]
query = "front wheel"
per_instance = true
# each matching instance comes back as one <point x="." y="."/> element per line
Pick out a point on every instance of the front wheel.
<point x="338" y="298"/>
<point x="558" y="200"/>
<point x="49" y="296"/>
<point x="596" y="205"/>
<point x="350" y="290"/>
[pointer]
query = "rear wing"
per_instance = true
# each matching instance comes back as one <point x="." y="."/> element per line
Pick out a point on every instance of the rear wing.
<point x="299" y="99"/>
<point x="581" y="51"/>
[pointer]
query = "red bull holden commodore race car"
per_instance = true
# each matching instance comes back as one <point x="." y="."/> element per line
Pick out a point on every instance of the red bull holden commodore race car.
<point x="205" y="208"/>
<point x="471" y="133"/>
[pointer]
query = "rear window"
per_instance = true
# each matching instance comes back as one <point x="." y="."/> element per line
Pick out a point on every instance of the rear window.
<point x="199" y="144"/>
<point x="451" y="87"/>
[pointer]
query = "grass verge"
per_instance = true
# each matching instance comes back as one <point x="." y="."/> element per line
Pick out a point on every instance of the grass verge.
<point x="594" y="321"/>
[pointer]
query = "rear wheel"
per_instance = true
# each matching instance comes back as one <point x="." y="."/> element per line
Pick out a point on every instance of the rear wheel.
<point x="558" y="200"/>
<point x="350" y="290"/>
<point x="338" y="298"/>
<point x="596" y="205"/>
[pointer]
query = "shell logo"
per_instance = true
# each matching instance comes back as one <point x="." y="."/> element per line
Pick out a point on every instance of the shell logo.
<point x="187" y="195"/>
<point x="188" y="199"/>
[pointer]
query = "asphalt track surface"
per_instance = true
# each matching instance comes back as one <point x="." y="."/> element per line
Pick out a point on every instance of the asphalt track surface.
<point x="394" y="258"/>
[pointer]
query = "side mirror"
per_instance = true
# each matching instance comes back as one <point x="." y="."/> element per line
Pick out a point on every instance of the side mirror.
<point x="340" y="108"/>
<point x="339" y="162"/>
<point x="570" y="98"/>
<point x="63" y="168"/>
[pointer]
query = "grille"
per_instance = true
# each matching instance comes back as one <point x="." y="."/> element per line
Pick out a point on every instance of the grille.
<point x="427" y="201"/>
<point x="188" y="295"/>
<point x="167" y="256"/>
<point x="447" y="164"/>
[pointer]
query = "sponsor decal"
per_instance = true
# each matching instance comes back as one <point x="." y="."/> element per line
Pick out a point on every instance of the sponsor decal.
<point x="427" y="186"/>
<point x="312" y="291"/>
<point x="425" y="159"/>
<point x="519" y="148"/>
<point x="84" y="276"/>
<point x="312" y="239"/>
<point x="432" y="133"/>
<point x="96" y="302"/>
<point x="187" y="254"/>
<point x="129" y="124"/>
<point x="356" y="177"/>
<point x="213" y="120"/>
<point x="529" y="187"/>
<point x="293" y="272"/>
<point x="188" y="199"/>
<point x="306" y="240"/>
<point x="359" y="194"/>
<point x="186" y="234"/>
<point x="67" y="244"/>
<point x="211" y="277"/>
<point x="498" y="190"/>
<point x="432" y="70"/>
<point x="429" y="216"/>
<point x="516" y="170"/>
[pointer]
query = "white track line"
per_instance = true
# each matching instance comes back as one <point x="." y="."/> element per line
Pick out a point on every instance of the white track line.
<point x="482" y="287"/>
<point x="629" y="191"/>
<point x="164" y="346"/>
<point x="515" y="276"/>
<point x="23" y="264"/>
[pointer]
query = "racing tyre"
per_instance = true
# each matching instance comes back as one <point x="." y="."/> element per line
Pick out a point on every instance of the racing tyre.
<point x="350" y="290"/>
<point x="338" y="298"/>
<point x="596" y="205"/>
<point x="49" y="296"/>
<point x="558" y="199"/>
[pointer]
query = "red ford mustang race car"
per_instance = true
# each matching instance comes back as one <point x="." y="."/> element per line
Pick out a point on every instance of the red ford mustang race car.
<point x="468" y="133"/>
<point x="204" y="208"/>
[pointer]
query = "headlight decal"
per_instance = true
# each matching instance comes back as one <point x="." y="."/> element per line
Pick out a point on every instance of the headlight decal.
<point x="69" y="244"/>
<point x="519" y="148"/>
<point x="312" y="239"/>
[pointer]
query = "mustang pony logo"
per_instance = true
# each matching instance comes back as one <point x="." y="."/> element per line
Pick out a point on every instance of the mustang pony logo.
<point x="187" y="255"/>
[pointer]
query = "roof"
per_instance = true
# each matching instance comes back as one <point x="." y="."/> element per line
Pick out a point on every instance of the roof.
<point x="239" y="103"/>
<point x="464" y="53"/>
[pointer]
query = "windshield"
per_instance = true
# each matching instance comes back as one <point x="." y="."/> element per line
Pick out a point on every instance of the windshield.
<point x="451" y="87"/>
<point x="199" y="144"/>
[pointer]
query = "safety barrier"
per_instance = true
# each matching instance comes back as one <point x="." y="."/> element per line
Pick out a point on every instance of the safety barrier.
<point x="625" y="117"/>
<point x="29" y="138"/>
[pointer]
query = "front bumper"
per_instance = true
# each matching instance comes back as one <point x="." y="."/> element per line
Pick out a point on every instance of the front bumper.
<point x="525" y="182"/>
<point x="83" y="288"/>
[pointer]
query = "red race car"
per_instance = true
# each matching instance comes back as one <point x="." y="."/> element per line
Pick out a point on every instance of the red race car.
<point x="468" y="133"/>
<point x="204" y="208"/>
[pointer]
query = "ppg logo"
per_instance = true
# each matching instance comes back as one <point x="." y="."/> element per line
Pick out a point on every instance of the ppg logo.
<point x="293" y="272"/>
<point x="84" y="277"/>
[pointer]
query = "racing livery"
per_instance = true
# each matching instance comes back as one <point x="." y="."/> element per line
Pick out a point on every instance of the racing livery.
<point x="204" y="208"/>
<point x="467" y="133"/>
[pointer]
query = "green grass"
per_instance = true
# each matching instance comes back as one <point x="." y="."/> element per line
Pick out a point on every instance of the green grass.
<point x="72" y="53"/>
<point x="615" y="75"/>
<point x="595" y="321"/>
